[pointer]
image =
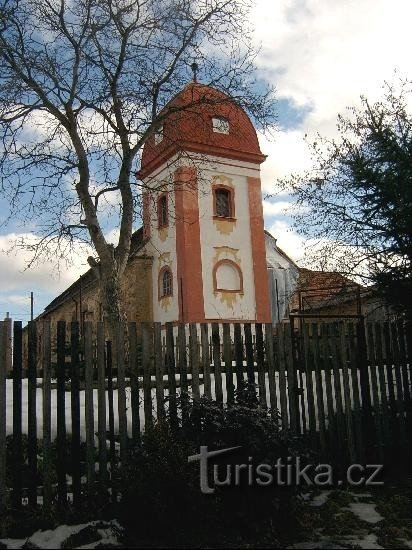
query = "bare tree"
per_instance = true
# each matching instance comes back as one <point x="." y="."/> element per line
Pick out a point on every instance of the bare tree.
<point x="355" y="203"/>
<point x="82" y="85"/>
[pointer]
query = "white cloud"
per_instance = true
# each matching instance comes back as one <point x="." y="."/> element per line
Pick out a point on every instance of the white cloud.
<point x="288" y="240"/>
<point x="286" y="153"/>
<point x="322" y="55"/>
<point x="275" y="208"/>
<point x="43" y="276"/>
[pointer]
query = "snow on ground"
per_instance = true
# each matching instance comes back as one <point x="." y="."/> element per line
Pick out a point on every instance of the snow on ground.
<point x="319" y="500"/>
<point x="39" y="402"/>
<point x="365" y="511"/>
<point x="367" y="542"/>
<point x="86" y="535"/>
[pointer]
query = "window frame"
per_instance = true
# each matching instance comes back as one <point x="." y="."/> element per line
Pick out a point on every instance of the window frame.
<point x="163" y="197"/>
<point x="220" y="187"/>
<point x="165" y="269"/>
<point x="237" y="268"/>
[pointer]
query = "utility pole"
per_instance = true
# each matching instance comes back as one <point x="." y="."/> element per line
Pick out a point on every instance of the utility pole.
<point x="31" y="306"/>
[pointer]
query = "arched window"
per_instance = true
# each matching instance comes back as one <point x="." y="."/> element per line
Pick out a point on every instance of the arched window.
<point x="162" y="211"/>
<point x="223" y="199"/>
<point x="227" y="277"/>
<point x="165" y="282"/>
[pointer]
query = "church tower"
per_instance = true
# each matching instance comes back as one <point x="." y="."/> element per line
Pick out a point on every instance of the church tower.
<point x="202" y="212"/>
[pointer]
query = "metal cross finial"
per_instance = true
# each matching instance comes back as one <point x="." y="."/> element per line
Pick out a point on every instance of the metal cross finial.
<point x="194" y="66"/>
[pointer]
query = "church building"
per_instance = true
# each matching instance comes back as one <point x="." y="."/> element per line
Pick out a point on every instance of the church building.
<point x="202" y="254"/>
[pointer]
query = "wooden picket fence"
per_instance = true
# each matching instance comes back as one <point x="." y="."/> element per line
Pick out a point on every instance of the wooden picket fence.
<point x="80" y="402"/>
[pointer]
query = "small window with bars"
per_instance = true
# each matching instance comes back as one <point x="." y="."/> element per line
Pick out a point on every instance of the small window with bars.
<point x="223" y="203"/>
<point x="162" y="212"/>
<point x="220" y="125"/>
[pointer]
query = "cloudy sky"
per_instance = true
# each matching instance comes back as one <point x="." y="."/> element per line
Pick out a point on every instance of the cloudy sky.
<point x="321" y="55"/>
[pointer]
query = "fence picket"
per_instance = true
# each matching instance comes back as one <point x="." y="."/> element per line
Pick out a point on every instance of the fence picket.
<point x="250" y="360"/>
<point x="292" y="381"/>
<point x="171" y="374"/>
<point x="309" y="368"/>
<point x="3" y="407"/>
<point x="112" y="442"/>
<point x="400" y="403"/>
<point x="101" y="403"/>
<point x="270" y="358"/>
<point x="158" y="359"/>
<point x="260" y="360"/>
<point x="194" y="360"/>
<point x="17" y="414"/>
<point x="238" y="357"/>
<point x="227" y="358"/>
<point x="32" y="414"/>
<point x="346" y="393"/>
<point x="147" y="351"/>
<point x="47" y="460"/>
<point x="374" y="386"/>
<point x="121" y="390"/>
<point x="355" y="365"/>
<point x="182" y="358"/>
<point x="319" y="386"/>
<point x="282" y="377"/>
<point x="134" y="383"/>
<point x="204" y="336"/>
<point x="217" y="363"/>
<point x="337" y="386"/>
<point x="326" y="365"/>
<point x="75" y="412"/>
<point x="377" y="330"/>
<point x="89" y="408"/>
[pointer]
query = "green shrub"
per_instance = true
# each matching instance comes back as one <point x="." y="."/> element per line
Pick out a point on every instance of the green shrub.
<point x="162" y="504"/>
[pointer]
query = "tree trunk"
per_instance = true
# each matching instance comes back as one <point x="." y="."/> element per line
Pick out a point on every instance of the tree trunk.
<point x="111" y="297"/>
